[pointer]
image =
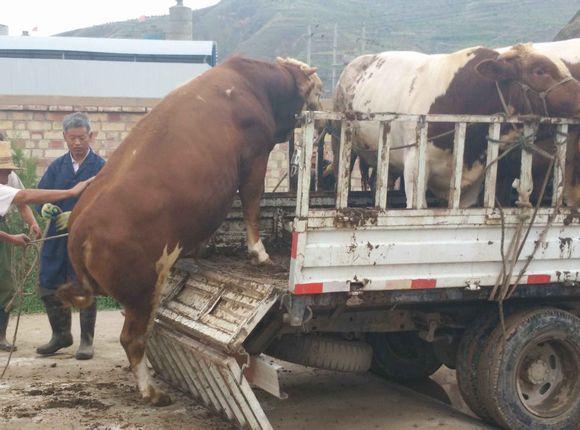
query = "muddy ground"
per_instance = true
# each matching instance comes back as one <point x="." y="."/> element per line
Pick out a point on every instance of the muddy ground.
<point x="59" y="392"/>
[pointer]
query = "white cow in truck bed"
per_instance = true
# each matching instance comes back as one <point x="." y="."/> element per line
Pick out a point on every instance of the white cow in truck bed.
<point x="463" y="82"/>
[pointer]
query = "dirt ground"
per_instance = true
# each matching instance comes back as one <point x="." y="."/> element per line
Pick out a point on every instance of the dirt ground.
<point x="59" y="392"/>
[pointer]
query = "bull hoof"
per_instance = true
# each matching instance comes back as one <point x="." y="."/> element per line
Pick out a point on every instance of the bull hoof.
<point x="255" y="260"/>
<point x="160" y="399"/>
<point x="266" y="262"/>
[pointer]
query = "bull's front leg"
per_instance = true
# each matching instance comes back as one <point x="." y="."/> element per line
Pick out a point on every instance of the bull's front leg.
<point x="251" y="189"/>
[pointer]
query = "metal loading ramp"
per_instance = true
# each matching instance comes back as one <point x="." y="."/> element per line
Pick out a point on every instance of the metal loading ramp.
<point x="196" y="344"/>
<point x="208" y="375"/>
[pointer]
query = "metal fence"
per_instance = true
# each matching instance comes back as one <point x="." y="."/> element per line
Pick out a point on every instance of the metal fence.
<point x="378" y="247"/>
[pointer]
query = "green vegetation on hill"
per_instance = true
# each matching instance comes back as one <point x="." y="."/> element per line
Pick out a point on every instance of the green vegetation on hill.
<point x="270" y="28"/>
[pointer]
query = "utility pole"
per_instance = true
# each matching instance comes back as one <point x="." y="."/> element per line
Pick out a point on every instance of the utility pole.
<point x="309" y="46"/>
<point x="364" y="39"/>
<point x="334" y="44"/>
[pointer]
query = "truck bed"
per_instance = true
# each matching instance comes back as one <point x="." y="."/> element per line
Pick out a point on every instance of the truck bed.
<point x="222" y="297"/>
<point x="237" y="265"/>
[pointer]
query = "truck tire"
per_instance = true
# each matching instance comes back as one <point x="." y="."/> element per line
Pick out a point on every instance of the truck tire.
<point x="468" y="358"/>
<point x="531" y="377"/>
<point x="323" y="352"/>
<point x="403" y="356"/>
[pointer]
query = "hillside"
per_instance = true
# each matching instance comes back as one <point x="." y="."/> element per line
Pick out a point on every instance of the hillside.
<point x="268" y="28"/>
<point x="572" y="29"/>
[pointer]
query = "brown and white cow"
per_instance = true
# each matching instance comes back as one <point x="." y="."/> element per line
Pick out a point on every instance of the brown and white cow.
<point x="462" y="82"/>
<point x="509" y="167"/>
<point x="171" y="182"/>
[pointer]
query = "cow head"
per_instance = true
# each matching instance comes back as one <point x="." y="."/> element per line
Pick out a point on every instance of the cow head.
<point x="308" y="83"/>
<point x="533" y="82"/>
<point x="305" y="87"/>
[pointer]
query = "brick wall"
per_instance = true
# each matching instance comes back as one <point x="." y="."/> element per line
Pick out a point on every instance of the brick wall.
<point x="38" y="129"/>
<point x="35" y="125"/>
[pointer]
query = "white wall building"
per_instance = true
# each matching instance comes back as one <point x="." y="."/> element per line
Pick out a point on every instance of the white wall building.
<point x="99" y="67"/>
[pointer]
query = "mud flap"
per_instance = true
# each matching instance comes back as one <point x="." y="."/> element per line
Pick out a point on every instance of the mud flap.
<point x="206" y="314"/>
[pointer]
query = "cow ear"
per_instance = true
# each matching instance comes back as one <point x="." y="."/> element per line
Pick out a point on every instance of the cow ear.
<point x="496" y="70"/>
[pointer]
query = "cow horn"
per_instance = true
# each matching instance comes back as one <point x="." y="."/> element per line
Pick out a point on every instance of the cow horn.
<point x="310" y="70"/>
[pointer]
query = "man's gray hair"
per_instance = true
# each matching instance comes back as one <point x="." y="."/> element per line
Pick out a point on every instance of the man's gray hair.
<point x="76" y="120"/>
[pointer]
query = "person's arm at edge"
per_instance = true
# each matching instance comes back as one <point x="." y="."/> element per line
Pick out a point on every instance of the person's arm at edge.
<point x="26" y="197"/>
<point x="25" y="211"/>
<point x="15" y="239"/>
<point x="28" y="217"/>
<point x="29" y="196"/>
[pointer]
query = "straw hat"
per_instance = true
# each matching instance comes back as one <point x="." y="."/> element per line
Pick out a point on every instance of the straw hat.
<point x="6" y="157"/>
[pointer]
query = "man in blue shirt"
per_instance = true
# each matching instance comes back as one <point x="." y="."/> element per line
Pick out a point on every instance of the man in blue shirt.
<point x="77" y="165"/>
<point x="13" y="195"/>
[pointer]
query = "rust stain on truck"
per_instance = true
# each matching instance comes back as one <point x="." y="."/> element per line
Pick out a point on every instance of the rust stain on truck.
<point x="355" y="217"/>
<point x="573" y="216"/>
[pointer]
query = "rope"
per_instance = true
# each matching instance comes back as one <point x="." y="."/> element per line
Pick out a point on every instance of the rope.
<point x="506" y="290"/>
<point x="275" y="188"/>
<point x="45" y="239"/>
<point x="542" y="95"/>
<point x="20" y="275"/>
<point x="500" y="294"/>
<point x="333" y="133"/>
<point x="502" y="289"/>
<point x="551" y="218"/>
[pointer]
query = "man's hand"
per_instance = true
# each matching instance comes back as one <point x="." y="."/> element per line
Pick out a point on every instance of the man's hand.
<point x="19" y="239"/>
<point x="50" y="211"/>
<point x="61" y="222"/>
<point x="35" y="231"/>
<point x="80" y="187"/>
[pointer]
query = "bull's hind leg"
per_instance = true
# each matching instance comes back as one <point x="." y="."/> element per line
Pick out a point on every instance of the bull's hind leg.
<point x="134" y="340"/>
<point x="251" y="189"/>
<point x="138" y="321"/>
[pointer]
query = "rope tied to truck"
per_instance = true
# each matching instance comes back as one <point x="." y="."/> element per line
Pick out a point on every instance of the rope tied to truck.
<point x="503" y="288"/>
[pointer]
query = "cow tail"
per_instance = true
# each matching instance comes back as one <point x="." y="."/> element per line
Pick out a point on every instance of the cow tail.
<point x="79" y="293"/>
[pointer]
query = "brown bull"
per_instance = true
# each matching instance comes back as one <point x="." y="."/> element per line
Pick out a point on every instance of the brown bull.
<point x="171" y="182"/>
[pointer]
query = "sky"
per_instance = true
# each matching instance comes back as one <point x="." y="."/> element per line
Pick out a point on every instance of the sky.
<point x="49" y="17"/>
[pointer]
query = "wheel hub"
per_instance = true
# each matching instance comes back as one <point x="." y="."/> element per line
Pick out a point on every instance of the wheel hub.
<point x="546" y="378"/>
<point x="538" y="372"/>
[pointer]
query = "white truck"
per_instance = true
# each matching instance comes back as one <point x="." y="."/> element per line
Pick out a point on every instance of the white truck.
<point x="360" y="283"/>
